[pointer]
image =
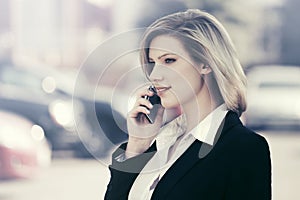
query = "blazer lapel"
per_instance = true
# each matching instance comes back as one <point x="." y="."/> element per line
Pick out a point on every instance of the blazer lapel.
<point x="177" y="170"/>
<point x="197" y="151"/>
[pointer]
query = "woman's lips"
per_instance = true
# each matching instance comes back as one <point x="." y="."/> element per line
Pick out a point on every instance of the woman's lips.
<point x="162" y="89"/>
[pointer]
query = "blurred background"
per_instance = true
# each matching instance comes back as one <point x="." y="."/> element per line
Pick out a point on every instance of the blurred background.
<point x="62" y="106"/>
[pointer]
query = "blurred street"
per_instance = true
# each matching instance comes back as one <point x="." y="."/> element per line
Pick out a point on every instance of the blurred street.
<point x="65" y="179"/>
<point x="285" y="153"/>
<point x="87" y="179"/>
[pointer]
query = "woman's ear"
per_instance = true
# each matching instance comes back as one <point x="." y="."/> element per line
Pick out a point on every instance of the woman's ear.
<point x="204" y="69"/>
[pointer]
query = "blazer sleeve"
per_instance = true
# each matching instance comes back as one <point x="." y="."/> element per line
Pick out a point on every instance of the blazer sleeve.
<point x="124" y="173"/>
<point x="251" y="176"/>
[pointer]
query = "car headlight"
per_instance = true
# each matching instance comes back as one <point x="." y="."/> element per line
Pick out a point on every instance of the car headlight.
<point x="37" y="133"/>
<point x="49" y="84"/>
<point x="62" y="112"/>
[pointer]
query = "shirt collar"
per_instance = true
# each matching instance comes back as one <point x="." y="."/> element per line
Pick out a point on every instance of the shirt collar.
<point x="170" y="132"/>
<point x="207" y="129"/>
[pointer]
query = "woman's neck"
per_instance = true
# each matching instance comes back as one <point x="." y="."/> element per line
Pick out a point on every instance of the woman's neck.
<point x="172" y="113"/>
<point x="198" y="108"/>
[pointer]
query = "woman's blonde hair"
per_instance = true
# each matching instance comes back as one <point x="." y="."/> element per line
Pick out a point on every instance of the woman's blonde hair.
<point x="207" y="42"/>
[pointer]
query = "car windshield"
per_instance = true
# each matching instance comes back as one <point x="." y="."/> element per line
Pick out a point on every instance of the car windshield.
<point x="19" y="78"/>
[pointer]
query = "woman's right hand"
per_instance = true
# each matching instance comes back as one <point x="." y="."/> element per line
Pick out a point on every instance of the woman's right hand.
<point x="141" y="132"/>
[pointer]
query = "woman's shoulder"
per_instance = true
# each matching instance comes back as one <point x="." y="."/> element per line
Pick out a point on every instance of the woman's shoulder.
<point x="238" y="134"/>
<point x="247" y="142"/>
<point x="248" y="136"/>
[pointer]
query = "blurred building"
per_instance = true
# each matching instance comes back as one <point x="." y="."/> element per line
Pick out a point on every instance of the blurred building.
<point x="290" y="43"/>
<point x="55" y="32"/>
<point x="62" y="33"/>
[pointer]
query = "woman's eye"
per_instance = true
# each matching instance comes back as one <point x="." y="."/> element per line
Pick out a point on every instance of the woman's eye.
<point x="169" y="60"/>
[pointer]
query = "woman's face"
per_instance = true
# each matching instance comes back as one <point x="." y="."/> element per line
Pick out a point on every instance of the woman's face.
<point x="176" y="78"/>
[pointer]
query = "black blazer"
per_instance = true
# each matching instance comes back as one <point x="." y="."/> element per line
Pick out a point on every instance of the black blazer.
<point x="237" y="167"/>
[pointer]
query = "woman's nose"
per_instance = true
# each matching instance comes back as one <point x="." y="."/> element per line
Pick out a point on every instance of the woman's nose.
<point x="156" y="75"/>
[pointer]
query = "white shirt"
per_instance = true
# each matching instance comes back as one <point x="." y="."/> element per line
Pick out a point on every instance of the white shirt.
<point x="170" y="146"/>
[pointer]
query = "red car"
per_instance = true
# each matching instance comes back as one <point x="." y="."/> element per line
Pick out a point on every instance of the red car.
<point x="23" y="147"/>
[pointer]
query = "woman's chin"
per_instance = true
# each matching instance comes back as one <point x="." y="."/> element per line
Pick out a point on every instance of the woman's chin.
<point x="170" y="105"/>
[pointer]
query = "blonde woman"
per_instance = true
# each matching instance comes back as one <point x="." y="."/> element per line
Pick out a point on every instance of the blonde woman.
<point x="202" y="150"/>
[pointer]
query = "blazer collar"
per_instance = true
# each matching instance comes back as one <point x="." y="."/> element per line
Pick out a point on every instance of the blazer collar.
<point x="198" y="150"/>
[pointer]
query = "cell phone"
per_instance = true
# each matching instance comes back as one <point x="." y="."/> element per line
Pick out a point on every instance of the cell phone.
<point x="155" y="101"/>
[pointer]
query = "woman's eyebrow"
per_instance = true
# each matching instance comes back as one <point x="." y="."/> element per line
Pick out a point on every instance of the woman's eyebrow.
<point x="159" y="57"/>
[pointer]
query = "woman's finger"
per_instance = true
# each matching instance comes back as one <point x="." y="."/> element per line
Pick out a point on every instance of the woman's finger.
<point x="143" y="102"/>
<point x="135" y="112"/>
<point x="144" y="92"/>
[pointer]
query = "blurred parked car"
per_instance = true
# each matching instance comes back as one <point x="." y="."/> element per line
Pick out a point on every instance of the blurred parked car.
<point x="23" y="147"/>
<point x="70" y="121"/>
<point x="106" y="118"/>
<point x="273" y="97"/>
<point x="36" y="96"/>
